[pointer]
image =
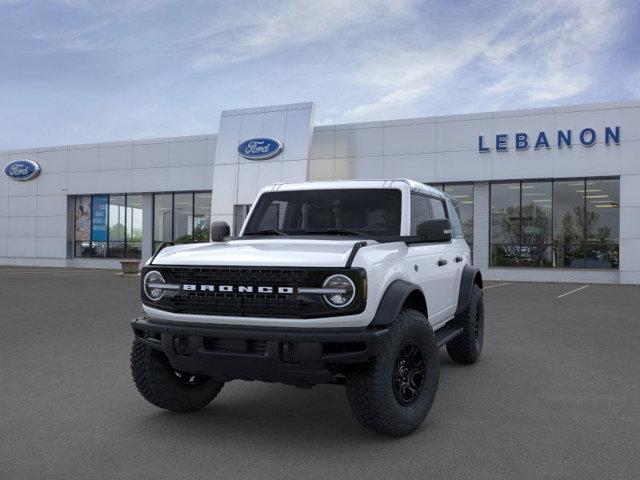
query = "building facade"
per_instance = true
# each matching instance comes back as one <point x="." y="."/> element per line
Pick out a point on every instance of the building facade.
<point x="549" y="194"/>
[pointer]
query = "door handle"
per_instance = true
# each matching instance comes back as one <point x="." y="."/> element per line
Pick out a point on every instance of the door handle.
<point x="442" y="262"/>
<point x="458" y="258"/>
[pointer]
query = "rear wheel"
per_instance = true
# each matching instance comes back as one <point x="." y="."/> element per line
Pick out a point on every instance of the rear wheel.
<point x="394" y="393"/>
<point x="165" y="387"/>
<point x="467" y="347"/>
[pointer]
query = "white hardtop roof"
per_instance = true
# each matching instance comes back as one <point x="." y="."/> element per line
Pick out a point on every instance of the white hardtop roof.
<point x="345" y="184"/>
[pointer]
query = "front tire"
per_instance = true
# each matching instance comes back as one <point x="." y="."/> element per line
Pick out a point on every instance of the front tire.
<point x="467" y="347"/>
<point x="394" y="393"/>
<point x="165" y="387"/>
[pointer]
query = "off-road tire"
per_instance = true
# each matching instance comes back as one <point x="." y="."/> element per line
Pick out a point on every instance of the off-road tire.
<point x="371" y="390"/>
<point x="159" y="384"/>
<point x="467" y="347"/>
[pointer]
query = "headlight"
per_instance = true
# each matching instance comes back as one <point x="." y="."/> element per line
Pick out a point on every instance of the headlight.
<point x="344" y="291"/>
<point x="153" y="285"/>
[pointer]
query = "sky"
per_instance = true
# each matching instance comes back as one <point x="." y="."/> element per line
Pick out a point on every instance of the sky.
<point x="80" y="71"/>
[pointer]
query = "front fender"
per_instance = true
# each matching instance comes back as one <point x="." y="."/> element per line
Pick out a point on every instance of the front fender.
<point x="393" y="299"/>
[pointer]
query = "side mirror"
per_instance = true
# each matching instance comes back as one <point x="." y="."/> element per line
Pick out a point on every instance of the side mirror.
<point x="435" y="230"/>
<point x="219" y="230"/>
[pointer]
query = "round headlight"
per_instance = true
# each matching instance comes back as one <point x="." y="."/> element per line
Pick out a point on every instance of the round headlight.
<point x="344" y="291"/>
<point x="151" y="283"/>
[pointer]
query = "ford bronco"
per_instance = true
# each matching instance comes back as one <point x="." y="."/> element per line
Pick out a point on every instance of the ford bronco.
<point x="354" y="283"/>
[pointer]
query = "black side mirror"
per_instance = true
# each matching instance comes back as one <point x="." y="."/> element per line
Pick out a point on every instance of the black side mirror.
<point x="434" y="230"/>
<point x="219" y="230"/>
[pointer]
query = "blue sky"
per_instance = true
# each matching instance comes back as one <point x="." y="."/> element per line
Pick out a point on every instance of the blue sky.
<point x="76" y="71"/>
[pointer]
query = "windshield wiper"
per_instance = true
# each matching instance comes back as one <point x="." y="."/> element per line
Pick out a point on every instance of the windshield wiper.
<point x="339" y="231"/>
<point x="266" y="232"/>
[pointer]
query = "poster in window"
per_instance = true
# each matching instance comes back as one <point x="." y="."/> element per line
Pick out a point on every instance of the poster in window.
<point x="83" y="219"/>
<point x="99" y="218"/>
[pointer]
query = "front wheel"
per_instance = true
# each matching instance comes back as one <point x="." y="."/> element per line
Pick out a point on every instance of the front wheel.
<point x="394" y="393"/>
<point x="165" y="387"/>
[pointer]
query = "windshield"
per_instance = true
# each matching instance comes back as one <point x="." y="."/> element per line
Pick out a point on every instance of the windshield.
<point x="358" y="212"/>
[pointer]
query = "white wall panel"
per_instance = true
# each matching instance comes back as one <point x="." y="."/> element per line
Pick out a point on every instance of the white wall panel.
<point x="83" y="159"/>
<point x="151" y="155"/>
<point x="297" y="136"/>
<point x="118" y="157"/>
<point x="188" y="153"/>
<point x="188" y="178"/>
<point x="420" y="167"/>
<point x="51" y="226"/>
<point x="51" y="205"/>
<point x="52" y="161"/>
<point x="51" y="247"/>
<point x="630" y="157"/>
<point x="358" y="142"/>
<point x="22" y="227"/>
<point x="322" y="144"/>
<point x="22" y="206"/>
<point x="150" y="180"/>
<point x="21" y="246"/>
<point x="321" y="169"/>
<point x="52" y="183"/>
<point x="630" y="124"/>
<point x="358" y="168"/>
<point x="420" y="138"/>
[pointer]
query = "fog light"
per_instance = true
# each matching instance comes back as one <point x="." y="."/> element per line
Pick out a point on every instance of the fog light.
<point x="344" y="291"/>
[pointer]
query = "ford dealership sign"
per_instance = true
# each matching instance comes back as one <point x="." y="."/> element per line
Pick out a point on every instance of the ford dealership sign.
<point x="564" y="138"/>
<point x="22" y="170"/>
<point x="260" y="148"/>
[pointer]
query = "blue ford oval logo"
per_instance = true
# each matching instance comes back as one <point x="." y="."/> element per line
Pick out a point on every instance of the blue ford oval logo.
<point x="260" y="148"/>
<point x="22" y="170"/>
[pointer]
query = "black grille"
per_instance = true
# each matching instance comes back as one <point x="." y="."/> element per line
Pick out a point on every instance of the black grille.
<point x="290" y="305"/>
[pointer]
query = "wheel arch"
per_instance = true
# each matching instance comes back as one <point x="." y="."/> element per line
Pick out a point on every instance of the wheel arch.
<point x="470" y="276"/>
<point x="398" y="295"/>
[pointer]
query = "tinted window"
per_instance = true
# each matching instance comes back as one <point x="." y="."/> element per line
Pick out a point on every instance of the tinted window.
<point x="437" y="207"/>
<point x="420" y="211"/>
<point x="368" y="211"/>
<point x="454" y="216"/>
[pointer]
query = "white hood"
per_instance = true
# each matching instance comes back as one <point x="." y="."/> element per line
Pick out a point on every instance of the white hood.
<point x="270" y="252"/>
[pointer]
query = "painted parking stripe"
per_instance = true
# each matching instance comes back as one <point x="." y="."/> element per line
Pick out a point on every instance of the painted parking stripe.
<point x="497" y="285"/>
<point x="573" y="291"/>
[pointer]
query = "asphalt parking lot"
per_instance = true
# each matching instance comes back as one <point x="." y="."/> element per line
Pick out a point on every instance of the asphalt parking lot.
<point x="555" y="395"/>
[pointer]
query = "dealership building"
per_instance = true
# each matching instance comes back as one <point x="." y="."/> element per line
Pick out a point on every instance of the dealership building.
<point x="547" y="194"/>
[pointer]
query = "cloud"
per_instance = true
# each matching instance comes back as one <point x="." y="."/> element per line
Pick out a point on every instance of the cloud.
<point x="541" y="53"/>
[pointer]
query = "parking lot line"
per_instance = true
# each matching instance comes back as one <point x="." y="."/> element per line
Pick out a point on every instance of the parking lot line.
<point x="573" y="291"/>
<point x="496" y="285"/>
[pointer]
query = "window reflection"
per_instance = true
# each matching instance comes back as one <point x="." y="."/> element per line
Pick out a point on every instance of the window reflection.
<point x="181" y="217"/>
<point x="564" y="224"/>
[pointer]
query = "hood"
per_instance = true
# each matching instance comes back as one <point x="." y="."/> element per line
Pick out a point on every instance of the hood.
<point x="271" y="252"/>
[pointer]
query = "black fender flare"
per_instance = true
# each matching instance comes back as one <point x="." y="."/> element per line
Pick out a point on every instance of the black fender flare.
<point x="469" y="275"/>
<point x="392" y="301"/>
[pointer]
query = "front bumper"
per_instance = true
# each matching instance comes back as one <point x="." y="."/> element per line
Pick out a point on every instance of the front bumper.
<point x="301" y="357"/>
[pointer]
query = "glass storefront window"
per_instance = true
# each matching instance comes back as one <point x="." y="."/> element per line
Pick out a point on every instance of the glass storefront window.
<point x="134" y="226"/>
<point x="108" y="226"/>
<point x="201" y="216"/>
<point x="505" y="224"/>
<point x="563" y="224"/>
<point x="181" y="217"/>
<point x="162" y="219"/>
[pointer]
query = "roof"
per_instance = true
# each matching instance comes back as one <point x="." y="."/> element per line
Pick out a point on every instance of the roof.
<point x="344" y="184"/>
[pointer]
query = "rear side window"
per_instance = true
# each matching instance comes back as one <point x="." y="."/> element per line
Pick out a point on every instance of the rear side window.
<point x="454" y="216"/>
<point x="420" y="211"/>
<point x="438" y="209"/>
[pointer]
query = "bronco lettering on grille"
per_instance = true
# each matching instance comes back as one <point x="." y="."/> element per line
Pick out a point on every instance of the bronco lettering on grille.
<point x="190" y="287"/>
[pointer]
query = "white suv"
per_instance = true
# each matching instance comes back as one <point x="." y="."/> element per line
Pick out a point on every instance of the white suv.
<point x="355" y="283"/>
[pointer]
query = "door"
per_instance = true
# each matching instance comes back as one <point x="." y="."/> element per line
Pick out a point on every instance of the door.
<point x="431" y="266"/>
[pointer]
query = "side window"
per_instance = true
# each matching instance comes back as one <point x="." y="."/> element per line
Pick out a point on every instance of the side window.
<point x="454" y="215"/>
<point x="437" y="206"/>
<point x="420" y="211"/>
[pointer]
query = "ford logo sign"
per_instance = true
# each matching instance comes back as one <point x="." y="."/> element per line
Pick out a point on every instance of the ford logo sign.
<point x="22" y="170"/>
<point x="260" y="148"/>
